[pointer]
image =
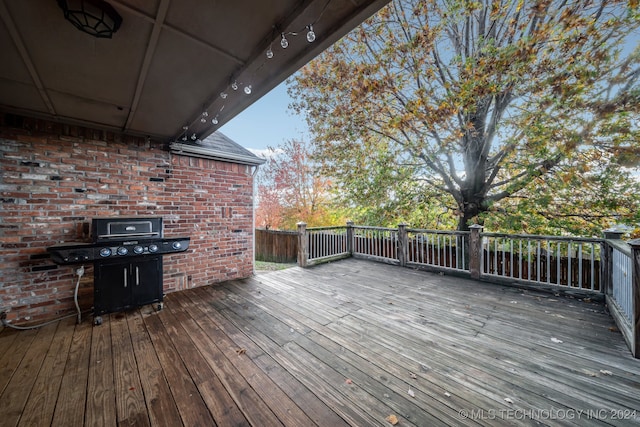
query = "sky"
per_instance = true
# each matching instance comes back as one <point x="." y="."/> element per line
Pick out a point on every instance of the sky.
<point x="268" y="122"/>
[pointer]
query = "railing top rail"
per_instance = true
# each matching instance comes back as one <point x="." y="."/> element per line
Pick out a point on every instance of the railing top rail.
<point x="337" y="227"/>
<point x="542" y="237"/>
<point x="368" y="227"/>
<point x="423" y="230"/>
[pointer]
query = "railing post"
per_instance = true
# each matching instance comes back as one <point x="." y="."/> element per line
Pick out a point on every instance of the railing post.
<point x="607" y="260"/>
<point x="475" y="251"/>
<point x="403" y="244"/>
<point x="635" y="296"/>
<point x="350" y="237"/>
<point x="303" y="244"/>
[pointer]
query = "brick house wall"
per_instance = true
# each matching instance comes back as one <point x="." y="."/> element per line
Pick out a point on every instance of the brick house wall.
<point x="55" y="178"/>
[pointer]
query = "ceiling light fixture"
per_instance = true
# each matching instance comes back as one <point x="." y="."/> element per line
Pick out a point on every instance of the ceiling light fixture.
<point x="95" y="17"/>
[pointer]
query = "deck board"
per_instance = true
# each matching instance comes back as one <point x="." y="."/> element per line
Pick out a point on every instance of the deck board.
<point x="42" y="399"/>
<point x="101" y="401"/>
<point x="193" y="410"/>
<point x="346" y="343"/>
<point x="130" y="404"/>
<point x="157" y="395"/>
<point x="71" y="401"/>
<point x="17" y="391"/>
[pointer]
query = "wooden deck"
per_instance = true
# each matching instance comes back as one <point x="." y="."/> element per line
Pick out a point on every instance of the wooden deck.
<point x="347" y="343"/>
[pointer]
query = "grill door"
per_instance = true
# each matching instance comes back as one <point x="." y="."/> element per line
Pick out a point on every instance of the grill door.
<point x="120" y="285"/>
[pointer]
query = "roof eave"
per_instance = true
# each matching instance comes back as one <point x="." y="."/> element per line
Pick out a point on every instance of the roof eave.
<point x="213" y="154"/>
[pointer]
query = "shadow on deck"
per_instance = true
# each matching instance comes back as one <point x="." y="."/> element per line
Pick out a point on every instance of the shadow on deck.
<point x="346" y="343"/>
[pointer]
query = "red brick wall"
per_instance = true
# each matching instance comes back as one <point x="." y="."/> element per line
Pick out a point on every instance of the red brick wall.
<point x="55" y="178"/>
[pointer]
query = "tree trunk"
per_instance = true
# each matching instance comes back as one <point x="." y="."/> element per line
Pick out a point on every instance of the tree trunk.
<point x="469" y="211"/>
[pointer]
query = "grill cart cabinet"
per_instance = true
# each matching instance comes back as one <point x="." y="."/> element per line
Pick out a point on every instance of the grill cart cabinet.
<point x="122" y="284"/>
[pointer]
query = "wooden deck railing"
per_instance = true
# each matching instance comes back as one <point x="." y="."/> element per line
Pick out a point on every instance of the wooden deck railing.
<point x="548" y="260"/>
<point x="605" y="267"/>
<point x="622" y="289"/>
<point x="437" y="249"/>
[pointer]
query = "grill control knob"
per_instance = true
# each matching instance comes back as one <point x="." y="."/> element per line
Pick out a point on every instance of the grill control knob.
<point x="138" y="249"/>
<point x="176" y="245"/>
<point x="122" y="250"/>
<point x="105" y="252"/>
<point x="153" y="248"/>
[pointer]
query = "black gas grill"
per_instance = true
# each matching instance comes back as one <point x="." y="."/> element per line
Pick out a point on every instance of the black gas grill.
<point x="127" y="257"/>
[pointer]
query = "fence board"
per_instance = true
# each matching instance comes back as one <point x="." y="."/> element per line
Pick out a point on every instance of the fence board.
<point x="276" y="245"/>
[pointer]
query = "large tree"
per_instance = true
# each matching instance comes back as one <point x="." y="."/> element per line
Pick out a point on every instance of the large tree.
<point x="483" y="102"/>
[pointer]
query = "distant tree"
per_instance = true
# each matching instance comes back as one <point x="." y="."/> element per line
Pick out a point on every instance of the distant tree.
<point x="269" y="210"/>
<point x="493" y="109"/>
<point x="290" y="190"/>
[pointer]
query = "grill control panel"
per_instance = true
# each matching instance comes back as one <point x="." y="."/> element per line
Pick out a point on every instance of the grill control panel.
<point x="88" y="252"/>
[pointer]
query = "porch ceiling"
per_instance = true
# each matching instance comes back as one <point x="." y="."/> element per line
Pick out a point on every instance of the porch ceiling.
<point x="168" y="62"/>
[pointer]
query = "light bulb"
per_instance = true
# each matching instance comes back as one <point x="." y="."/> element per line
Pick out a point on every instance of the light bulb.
<point x="284" y="42"/>
<point x="247" y="89"/>
<point x="185" y="127"/>
<point x="203" y="120"/>
<point x="311" y="36"/>
<point x="184" y="138"/>
<point x="205" y="114"/>
<point x="194" y="137"/>
<point x="234" y="85"/>
<point x="214" y="120"/>
<point x="223" y="95"/>
<point x="269" y="53"/>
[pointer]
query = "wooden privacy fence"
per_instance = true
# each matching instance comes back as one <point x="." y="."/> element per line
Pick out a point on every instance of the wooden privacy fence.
<point x="592" y="266"/>
<point x="276" y="245"/>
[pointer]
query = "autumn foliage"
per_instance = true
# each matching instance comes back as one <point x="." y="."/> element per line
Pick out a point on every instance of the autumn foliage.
<point x="290" y="190"/>
<point x="519" y="114"/>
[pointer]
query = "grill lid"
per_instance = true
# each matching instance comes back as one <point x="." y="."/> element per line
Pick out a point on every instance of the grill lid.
<point x="128" y="228"/>
<point x="118" y="228"/>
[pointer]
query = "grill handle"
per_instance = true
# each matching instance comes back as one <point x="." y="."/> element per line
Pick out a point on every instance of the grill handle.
<point x="125" y="277"/>
<point x="113" y="236"/>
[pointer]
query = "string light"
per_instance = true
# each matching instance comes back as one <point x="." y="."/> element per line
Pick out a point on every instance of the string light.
<point x="311" y="36"/>
<point x="248" y="89"/>
<point x="284" y="42"/>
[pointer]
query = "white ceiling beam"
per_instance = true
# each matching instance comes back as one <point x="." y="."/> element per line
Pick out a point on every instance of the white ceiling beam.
<point x="24" y="53"/>
<point x="146" y="62"/>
